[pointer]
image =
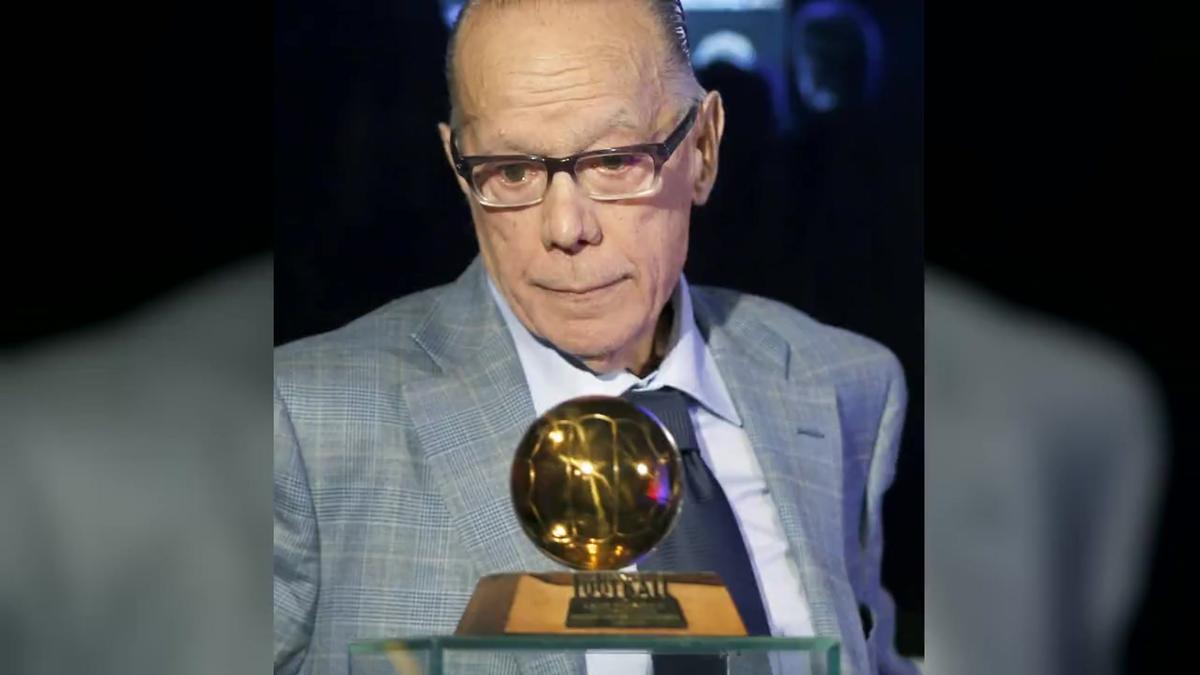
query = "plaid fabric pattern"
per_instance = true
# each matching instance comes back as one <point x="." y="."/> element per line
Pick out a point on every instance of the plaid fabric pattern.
<point x="394" y="439"/>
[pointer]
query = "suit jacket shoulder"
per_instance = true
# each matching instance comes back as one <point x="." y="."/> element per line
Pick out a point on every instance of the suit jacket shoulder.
<point x="382" y="336"/>
<point x="818" y="353"/>
<point x="827" y="404"/>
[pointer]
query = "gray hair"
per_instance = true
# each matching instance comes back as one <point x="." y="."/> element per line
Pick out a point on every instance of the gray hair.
<point x="668" y="14"/>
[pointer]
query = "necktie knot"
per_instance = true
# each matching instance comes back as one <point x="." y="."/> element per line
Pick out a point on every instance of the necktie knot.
<point x="670" y="407"/>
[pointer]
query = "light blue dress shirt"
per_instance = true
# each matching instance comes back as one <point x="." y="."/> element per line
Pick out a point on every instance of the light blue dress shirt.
<point x="689" y="367"/>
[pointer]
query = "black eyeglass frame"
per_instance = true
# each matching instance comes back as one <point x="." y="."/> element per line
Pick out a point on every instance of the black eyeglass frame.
<point x="660" y="152"/>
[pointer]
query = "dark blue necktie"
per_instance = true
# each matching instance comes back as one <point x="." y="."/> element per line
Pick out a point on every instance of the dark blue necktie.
<point x="706" y="537"/>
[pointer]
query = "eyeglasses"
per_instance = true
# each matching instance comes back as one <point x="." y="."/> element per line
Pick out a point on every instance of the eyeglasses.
<point x="626" y="172"/>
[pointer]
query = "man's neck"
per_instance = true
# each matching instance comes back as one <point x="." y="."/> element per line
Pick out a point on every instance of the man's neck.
<point x="649" y="352"/>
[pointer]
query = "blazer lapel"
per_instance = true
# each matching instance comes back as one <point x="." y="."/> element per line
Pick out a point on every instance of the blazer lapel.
<point x="795" y="432"/>
<point x="469" y="418"/>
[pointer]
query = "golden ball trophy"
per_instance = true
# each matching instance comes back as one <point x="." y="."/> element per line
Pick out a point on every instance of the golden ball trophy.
<point x="596" y="485"/>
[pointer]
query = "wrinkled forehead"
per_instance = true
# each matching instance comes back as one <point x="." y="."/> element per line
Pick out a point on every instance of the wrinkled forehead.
<point x="556" y="78"/>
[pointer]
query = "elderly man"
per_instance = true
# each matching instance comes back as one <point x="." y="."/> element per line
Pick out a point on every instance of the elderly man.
<point x="581" y="140"/>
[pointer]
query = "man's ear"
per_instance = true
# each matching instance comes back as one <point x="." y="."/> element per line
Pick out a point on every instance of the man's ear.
<point x="444" y="132"/>
<point x="711" y="123"/>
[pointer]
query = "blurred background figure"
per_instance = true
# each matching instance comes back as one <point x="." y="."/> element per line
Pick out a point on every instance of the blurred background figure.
<point x="135" y="342"/>
<point x="134" y="500"/>
<point x="1059" y="490"/>
<point x="1046" y="450"/>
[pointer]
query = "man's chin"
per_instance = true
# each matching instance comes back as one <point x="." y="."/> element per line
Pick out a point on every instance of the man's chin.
<point x="598" y="355"/>
<point x="584" y="350"/>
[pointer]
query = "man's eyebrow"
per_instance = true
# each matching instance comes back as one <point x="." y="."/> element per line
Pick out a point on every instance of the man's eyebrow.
<point x="621" y="119"/>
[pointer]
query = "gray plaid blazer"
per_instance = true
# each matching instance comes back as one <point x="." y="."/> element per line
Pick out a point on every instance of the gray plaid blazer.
<point x="394" y="438"/>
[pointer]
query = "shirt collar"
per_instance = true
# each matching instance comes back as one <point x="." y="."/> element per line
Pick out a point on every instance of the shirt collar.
<point x="688" y="365"/>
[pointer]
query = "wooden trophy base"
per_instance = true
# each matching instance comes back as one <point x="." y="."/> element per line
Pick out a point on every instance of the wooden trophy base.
<point x="597" y="603"/>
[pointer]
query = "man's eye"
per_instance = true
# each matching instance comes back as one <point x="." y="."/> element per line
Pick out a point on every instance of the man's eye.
<point x="513" y="173"/>
<point x="613" y="162"/>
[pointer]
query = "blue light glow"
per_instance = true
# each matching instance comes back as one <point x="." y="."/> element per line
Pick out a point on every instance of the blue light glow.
<point x="450" y="12"/>
<point x="725" y="45"/>
<point x="730" y="5"/>
<point x="814" y="95"/>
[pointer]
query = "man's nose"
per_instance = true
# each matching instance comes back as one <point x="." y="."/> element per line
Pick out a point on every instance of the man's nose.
<point x="568" y="222"/>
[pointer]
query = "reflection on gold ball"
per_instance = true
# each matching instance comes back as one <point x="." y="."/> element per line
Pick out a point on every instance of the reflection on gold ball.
<point x="596" y="483"/>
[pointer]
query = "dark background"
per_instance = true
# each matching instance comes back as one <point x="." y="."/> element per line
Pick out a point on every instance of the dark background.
<point x="138" y="151"/>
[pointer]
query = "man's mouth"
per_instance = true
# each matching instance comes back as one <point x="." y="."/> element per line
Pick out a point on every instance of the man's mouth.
<point x="581" y="289"/>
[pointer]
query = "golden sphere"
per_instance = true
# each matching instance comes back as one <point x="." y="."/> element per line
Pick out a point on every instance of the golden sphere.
<point x="596" y="482"/>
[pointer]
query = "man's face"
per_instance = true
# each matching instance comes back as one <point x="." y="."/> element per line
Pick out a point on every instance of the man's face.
<point x="589" y="276"/>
